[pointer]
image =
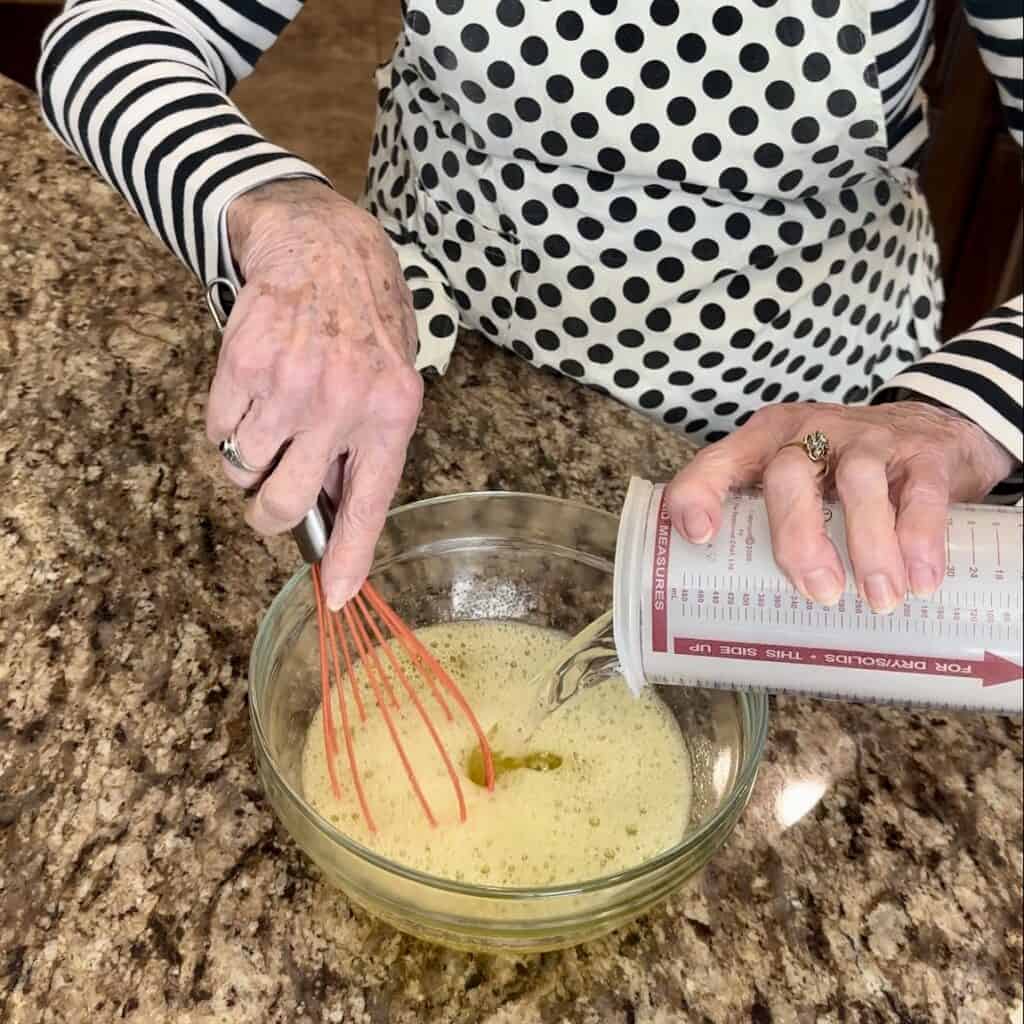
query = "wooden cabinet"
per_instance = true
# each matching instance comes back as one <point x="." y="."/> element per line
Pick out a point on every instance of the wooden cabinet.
<point x="971" y="171"/>
<point x="21" y="27"/>
<point x="972" y="177"/>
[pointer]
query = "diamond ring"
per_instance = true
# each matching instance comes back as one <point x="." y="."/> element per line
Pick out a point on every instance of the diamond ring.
<point x="816" y="447"/>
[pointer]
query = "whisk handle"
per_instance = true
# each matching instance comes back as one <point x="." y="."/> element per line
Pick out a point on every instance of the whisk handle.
<point x="312" y="533"/>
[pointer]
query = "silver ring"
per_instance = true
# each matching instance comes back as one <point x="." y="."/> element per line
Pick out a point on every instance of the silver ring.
<point x="229" y="449"/>
<point x="214" y="303"/>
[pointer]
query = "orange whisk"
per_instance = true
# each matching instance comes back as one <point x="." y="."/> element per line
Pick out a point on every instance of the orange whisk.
<point x="362" y="634"/>
<point x="359" y="634"/>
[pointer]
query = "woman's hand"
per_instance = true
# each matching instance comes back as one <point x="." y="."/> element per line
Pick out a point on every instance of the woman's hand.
<point x="895" y="468"/>
<point x="318" y="351"/>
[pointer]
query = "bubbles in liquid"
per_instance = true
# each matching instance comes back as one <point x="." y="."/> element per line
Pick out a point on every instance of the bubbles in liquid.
<point x="571" y="807"/>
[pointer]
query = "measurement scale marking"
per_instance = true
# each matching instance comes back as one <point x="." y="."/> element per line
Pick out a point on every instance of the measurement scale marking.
<point x="992" y="670"/>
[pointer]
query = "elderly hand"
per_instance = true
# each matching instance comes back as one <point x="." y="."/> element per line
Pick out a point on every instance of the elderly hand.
<point x="895" y="468"/>
<point x="318" y="351"/>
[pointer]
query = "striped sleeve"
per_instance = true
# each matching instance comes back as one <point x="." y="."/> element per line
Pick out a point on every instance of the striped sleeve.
<point x="139" y="91"/>
<point x="999" y="28"/>
<point x="981" y="372"/>
<point x="902" y="34"/>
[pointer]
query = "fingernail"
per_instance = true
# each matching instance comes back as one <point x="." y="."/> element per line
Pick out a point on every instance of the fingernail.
<point x="696" y="525"/>
<point x="823" y="586"/>
<point x="923" y="579"/>
<point x="880" y="593"/>
<point x="340" y="594"/>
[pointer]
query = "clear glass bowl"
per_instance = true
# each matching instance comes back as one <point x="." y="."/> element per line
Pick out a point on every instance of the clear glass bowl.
<point x="495" y="556"/>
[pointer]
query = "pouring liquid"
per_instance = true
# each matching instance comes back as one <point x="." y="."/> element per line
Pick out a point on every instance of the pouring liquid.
<point x="536" y="761"/>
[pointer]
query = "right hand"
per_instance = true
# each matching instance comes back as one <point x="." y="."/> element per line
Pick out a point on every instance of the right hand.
<point x="319" y="351"/>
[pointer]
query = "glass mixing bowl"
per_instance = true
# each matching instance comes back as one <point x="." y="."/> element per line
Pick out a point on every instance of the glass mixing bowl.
<point x="493" y="556"/>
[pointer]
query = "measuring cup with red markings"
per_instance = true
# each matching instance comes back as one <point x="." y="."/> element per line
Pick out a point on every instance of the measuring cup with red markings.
<point x="722" y="615"/>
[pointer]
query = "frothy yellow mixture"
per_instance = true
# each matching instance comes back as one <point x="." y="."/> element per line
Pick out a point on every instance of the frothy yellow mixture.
<point x="602" y="785"/>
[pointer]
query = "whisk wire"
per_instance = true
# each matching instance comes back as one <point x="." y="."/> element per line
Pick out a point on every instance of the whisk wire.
<point x="417" y="703"/>
<point x="338" y="630"/>
<point x="353" y="764"/>
<point x="412" y="645"/>
<point x="369" y="651"/>
<point x="378" y="683"/>
<point x="420" y="652"/>
<point x="356" y="635"/>
<point x="325" y="688"/>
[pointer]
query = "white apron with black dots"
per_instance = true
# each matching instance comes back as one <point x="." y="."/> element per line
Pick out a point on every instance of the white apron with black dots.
<point x="689" y="207"/>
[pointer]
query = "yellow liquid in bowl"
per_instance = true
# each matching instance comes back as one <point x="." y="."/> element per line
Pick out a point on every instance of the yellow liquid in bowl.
<point x="603" y="785"/>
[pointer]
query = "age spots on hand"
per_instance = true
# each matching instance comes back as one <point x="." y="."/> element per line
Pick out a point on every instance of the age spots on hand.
<point x="330" y="326"/>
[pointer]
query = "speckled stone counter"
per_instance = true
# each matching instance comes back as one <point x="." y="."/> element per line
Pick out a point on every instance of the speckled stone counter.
<point x="875" y="876"/>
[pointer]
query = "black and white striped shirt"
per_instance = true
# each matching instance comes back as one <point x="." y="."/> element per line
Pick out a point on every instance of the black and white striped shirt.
<point x="139" y="89"/>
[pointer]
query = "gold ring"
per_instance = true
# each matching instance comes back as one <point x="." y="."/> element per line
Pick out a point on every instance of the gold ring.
<point x="815" y="446"/>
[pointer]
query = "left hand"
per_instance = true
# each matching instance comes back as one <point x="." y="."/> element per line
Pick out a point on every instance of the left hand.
<point x="895" y="468"/>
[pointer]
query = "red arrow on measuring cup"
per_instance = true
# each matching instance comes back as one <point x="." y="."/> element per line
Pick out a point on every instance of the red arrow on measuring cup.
<point x="991" y="669"/>
<point x="995" y="671"/>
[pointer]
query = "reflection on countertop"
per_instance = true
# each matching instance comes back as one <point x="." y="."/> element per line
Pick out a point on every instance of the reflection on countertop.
<point x="875" y="876"/>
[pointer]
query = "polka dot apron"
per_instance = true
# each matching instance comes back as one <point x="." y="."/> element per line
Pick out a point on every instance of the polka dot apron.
<point x="688" y="207"/>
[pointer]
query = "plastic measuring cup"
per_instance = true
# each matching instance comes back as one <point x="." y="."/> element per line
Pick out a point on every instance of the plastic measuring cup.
<point x="722" y="614"/>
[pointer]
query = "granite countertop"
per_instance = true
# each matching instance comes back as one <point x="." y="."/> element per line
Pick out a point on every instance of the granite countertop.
<point x="875" y="876"/>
